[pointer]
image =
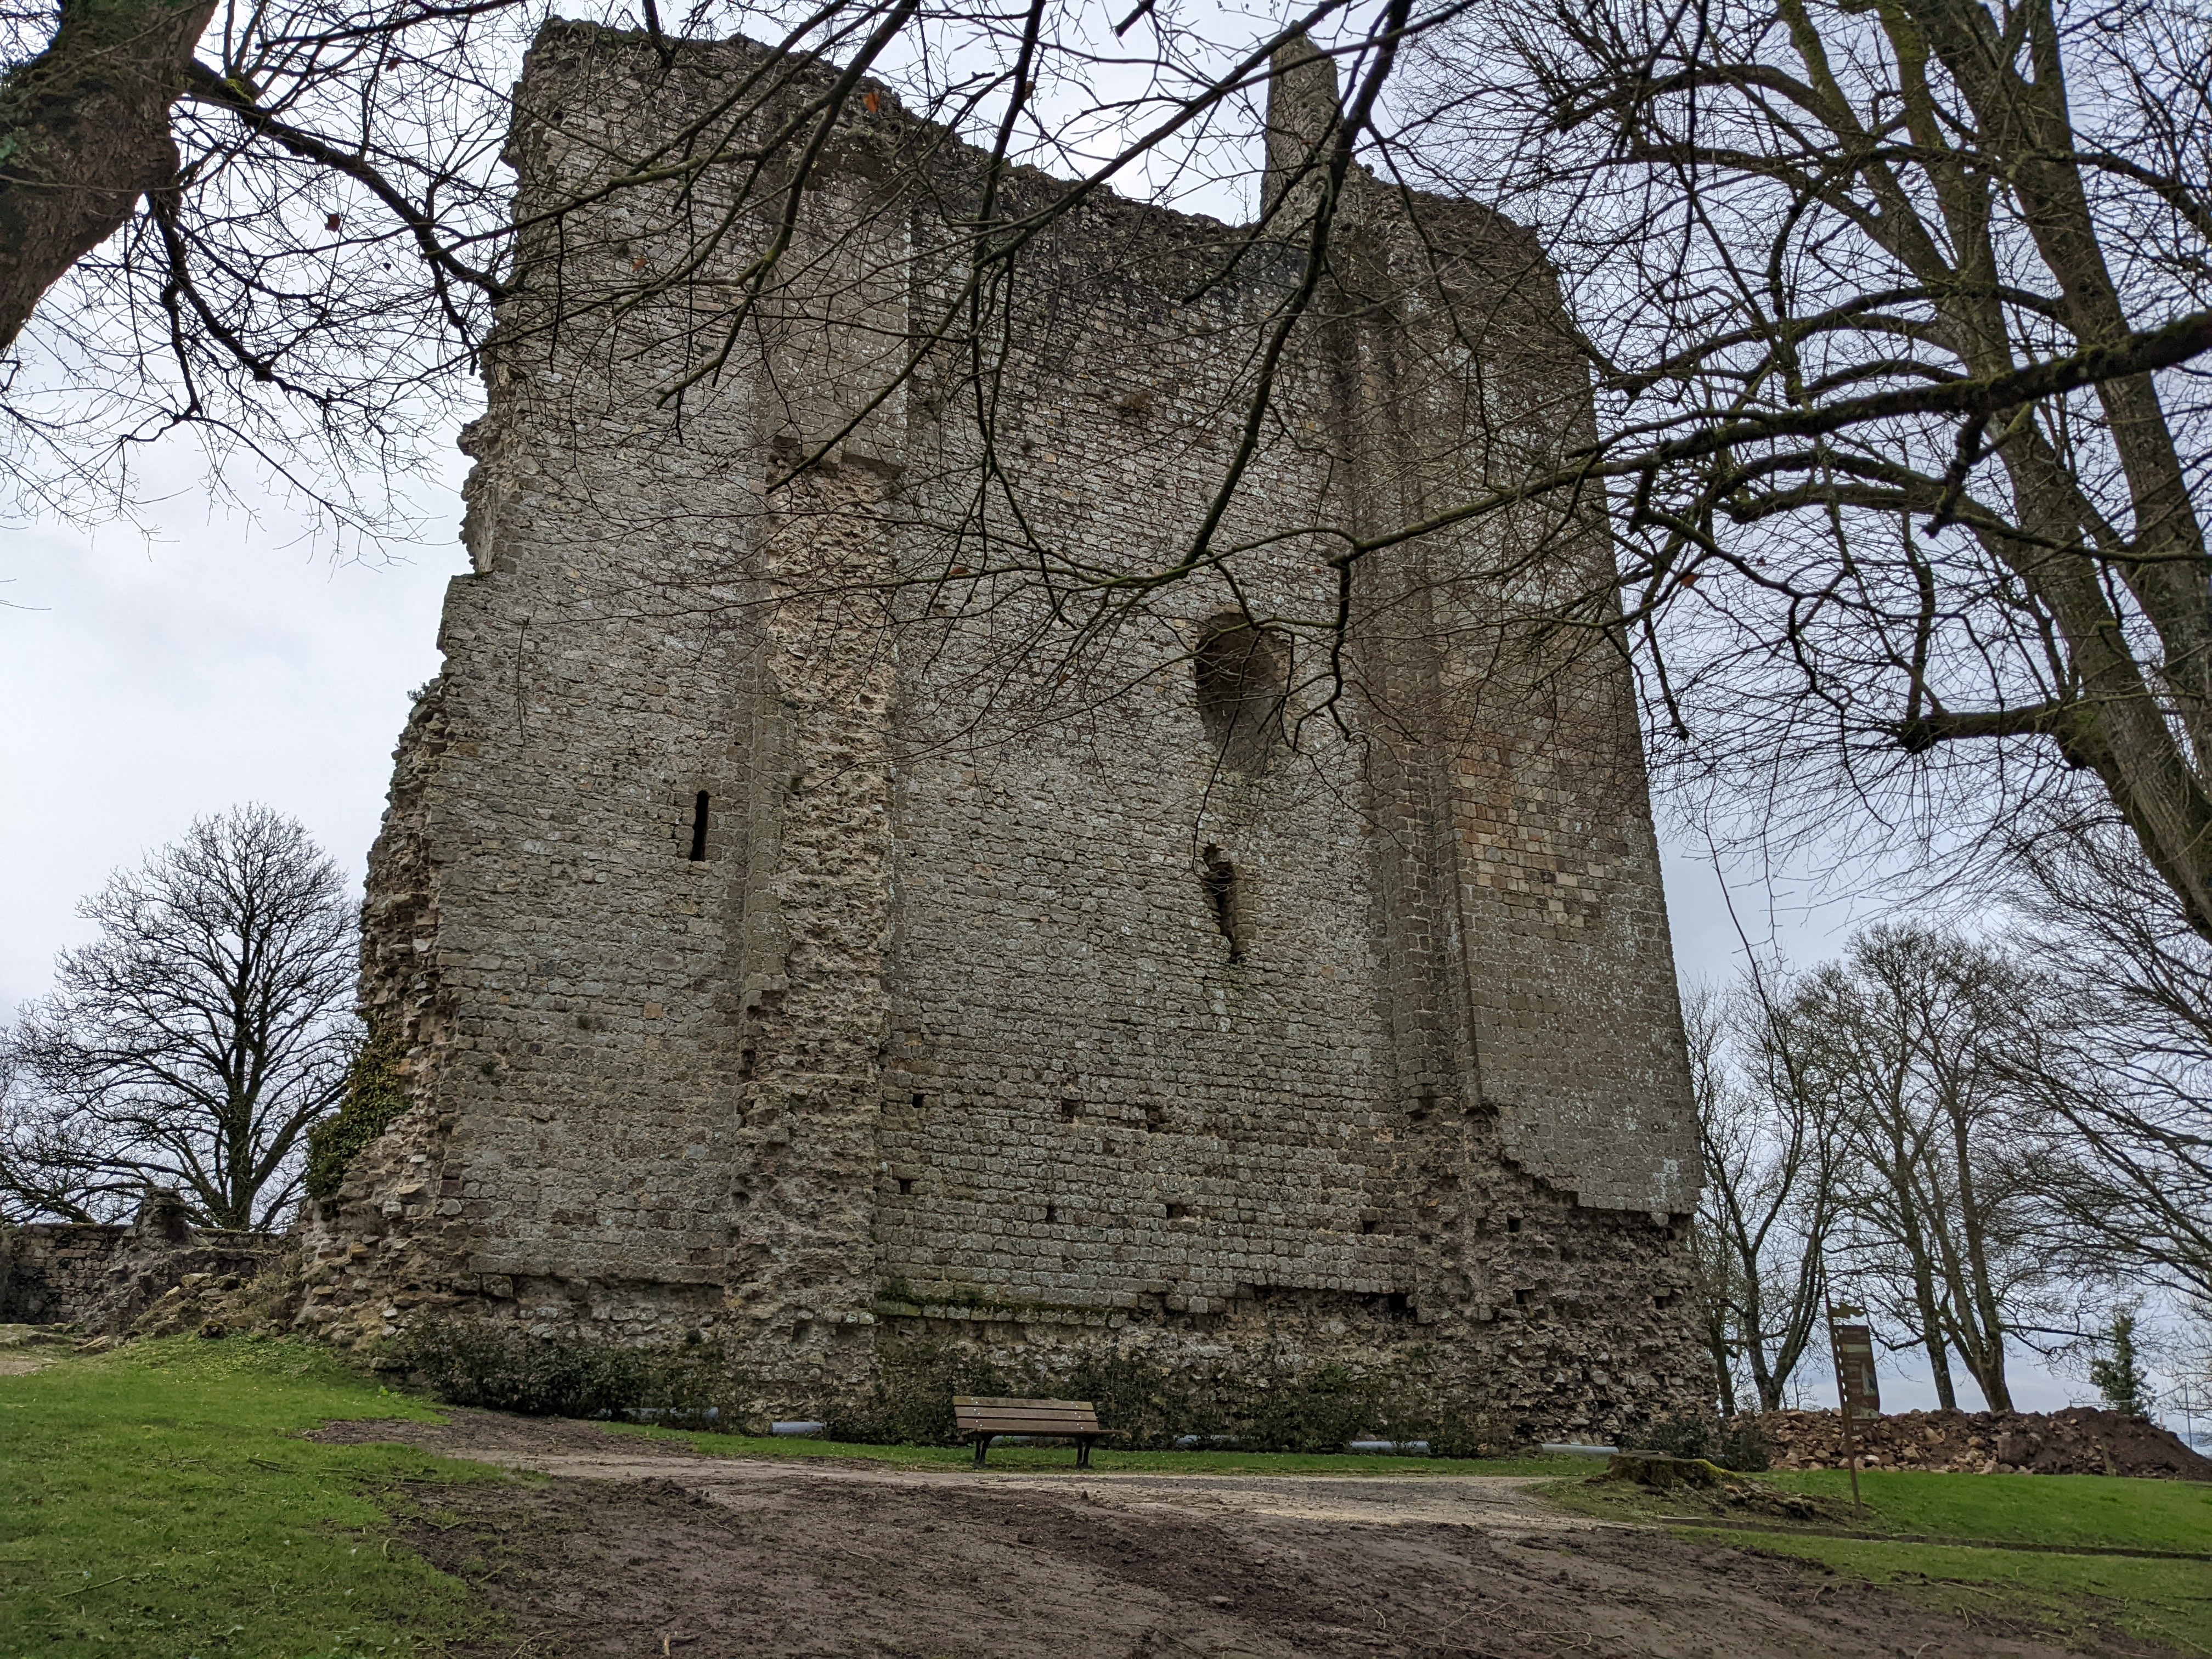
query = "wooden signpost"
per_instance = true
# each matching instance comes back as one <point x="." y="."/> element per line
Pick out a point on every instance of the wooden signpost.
<point x="1856" y="1391"/>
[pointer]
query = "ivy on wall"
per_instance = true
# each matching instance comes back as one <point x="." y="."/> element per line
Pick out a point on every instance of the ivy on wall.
<point x="375" y="1096"/>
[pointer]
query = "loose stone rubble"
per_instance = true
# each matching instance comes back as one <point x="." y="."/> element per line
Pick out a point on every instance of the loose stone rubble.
<point x="2081" y="1440"/>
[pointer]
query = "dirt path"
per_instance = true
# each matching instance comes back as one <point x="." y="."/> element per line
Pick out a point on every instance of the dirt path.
<point x="641" y="1547"/>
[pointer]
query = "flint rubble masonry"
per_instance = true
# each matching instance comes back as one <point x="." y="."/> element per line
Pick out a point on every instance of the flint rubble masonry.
<point x="770" y="963"/>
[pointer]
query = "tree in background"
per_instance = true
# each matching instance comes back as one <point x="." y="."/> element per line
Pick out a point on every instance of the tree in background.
<point x="2119" y="1378"/>
<point x="47" y="1172"/>
<point x="1766" y="1208"/>
<point x="1906" y="1041"/>
<point x="194" y="1042"/>
<point x="1935" y="1124"/>
<point x="2119" y="1067"/>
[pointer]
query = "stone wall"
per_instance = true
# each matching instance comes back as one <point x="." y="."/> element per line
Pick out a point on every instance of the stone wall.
<point x="51" y="1271"/>
<point x="100" y="1278"/>
<point x="796" y="928"/>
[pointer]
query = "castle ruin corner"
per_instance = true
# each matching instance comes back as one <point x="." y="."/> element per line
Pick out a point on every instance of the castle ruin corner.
<point x="818" y="910"/>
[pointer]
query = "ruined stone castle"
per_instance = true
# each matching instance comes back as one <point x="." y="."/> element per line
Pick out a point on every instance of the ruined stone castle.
<point x="828" y="902"/>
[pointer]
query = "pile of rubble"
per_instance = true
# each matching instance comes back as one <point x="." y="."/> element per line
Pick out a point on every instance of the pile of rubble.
<point x="2078" y="1441"/>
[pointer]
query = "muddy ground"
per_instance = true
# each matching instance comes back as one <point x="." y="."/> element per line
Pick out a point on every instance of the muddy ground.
<point x="637" y="1547"/>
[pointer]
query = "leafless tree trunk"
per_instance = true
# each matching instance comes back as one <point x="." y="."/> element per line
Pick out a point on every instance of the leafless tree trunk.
<point x="1766" y="1206"/>
<point x="84" y="132"/>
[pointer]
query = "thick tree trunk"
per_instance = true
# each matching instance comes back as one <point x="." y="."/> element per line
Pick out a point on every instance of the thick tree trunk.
<point x="84" y="133"/>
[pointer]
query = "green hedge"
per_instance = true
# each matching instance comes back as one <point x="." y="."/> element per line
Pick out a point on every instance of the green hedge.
<point x="500" y="1368"/>
<point x="503" y="1368"/>
<point x="1734" y="1443"/>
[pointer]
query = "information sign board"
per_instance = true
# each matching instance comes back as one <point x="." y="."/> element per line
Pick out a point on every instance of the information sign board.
<point x="1855" y="1378"/>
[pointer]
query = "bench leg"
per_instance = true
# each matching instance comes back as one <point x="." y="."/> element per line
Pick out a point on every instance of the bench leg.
<point x="1082" y="1452"/>
<point x="981" y="1441"/>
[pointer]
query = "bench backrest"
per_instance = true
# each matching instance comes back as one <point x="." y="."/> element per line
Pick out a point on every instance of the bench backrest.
<point x="1042" y="1417"/>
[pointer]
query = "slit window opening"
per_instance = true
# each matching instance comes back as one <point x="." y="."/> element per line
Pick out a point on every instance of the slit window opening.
<point x="699" y="828"/>
<point x="1218" y="879"/>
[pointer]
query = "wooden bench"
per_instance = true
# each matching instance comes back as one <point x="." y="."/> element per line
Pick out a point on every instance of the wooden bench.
<point x="981" y="1418"/>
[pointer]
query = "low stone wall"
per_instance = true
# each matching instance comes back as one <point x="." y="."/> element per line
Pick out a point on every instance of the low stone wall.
<point x="49" y="1272"/>
<point x="102" y="1278"/>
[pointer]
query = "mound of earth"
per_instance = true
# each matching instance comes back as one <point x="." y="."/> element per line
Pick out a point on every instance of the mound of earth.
<point x="2079" y="1441"/>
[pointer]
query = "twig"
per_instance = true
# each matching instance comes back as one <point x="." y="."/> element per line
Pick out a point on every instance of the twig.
<point x="102" y="1584"/>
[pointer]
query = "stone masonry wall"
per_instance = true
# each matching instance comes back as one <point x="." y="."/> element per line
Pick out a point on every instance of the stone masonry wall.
<point x="795" y="931"/>
<point x="50" y="1271"/>
<point x="100" y="1277"/>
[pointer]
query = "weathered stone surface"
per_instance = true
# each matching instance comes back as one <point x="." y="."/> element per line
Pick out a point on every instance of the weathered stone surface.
<point x="995" y="1009"/>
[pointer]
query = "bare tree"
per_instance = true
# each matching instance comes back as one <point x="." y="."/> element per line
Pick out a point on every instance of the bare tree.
<point x="1909" y="1040"/>
<point x="47" y="1171"/>
<point x="2120" y="1068"/>
<point x="1767" y="1204"/>
<point x="194" y="1042"/>
<point x="1885" y="318"/>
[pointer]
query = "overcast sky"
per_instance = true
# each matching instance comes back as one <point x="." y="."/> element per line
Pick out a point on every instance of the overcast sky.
<point x="226" y="658"/>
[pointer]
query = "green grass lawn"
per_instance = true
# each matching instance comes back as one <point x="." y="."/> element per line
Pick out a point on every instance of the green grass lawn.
<point x="2092" y="1509"/>
<point x="159" y="1503"/>
<point x="1030" y="1458"/>
<point x="2162" y="1601"/>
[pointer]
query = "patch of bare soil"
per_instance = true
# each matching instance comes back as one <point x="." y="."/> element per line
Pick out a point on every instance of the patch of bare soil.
<point x="700" y="1558"/>
<point x="28" y="1348"/>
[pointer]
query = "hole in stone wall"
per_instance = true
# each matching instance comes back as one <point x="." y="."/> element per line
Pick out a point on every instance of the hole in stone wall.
<point x="1222" y="898"/>
<point x="1512" y="1223"/>
<point x="1177" y="1212"/>
<point x="906" y="1186"/>
<point x="1051" y="1214"/>
<point x="918" y="1102"/>
<point x="1369" y="1225"/>
<point x="699" y="827"/>
<point x="1399" y="1302"/>
<point x="1243" y="675"/>
<point x="1523" y="1299"/>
